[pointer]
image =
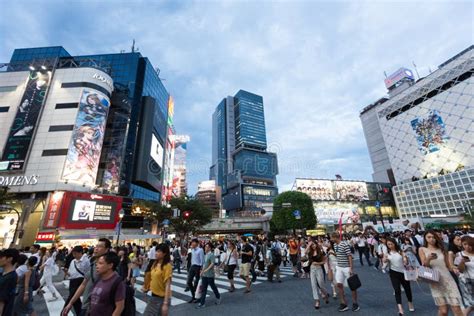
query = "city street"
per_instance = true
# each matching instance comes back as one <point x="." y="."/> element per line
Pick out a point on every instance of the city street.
<point x="375" y="298"/>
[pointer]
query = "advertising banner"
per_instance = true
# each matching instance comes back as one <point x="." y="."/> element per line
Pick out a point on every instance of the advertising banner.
<point x="83" y="155"/>
<point x="45" y="237"/>
<point x="351" y="191"/>
<point x="156" y="151"/>
<point x="430" y="132"/>
<point x="316" y="189"/>
<point x="330" y="213"/>
<point x="21" y="133"/>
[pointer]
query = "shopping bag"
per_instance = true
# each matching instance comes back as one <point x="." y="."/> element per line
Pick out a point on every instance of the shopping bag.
<point x="410" y="274"/>
<point x="428" y="274"/>
<point x="354" y="282"/>
<point x="199" y="290"/>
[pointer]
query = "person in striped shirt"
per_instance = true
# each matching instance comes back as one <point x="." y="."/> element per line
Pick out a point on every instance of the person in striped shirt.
<point x="344" y="269"/>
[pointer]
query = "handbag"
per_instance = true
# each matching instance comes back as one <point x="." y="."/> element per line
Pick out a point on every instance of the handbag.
<point x="428" y="274"/>
<point x="226" y="266"/>
<point x="354" y="282"/>
<point x="199" y="290"/>
<point x="305" y="264"/>
<point x="410" y="274"/>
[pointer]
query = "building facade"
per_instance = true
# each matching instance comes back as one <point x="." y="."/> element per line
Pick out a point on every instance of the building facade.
<point x="242" y="167"/>
<point x="209" y="194"/>
<point x="77" y="125"/>
<point x="427" y="134"/>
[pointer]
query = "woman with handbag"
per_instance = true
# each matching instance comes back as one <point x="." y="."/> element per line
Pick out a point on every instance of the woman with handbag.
<point x="398" y="261"/>
<point x="465" y="264"/>
<point x="230" y="263"/>
<point x="332" y="263"/>
<point x="317" y="259"/>
<point x="445" y="291"/>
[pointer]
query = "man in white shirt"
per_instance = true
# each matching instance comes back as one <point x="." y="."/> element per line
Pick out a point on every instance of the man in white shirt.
<point x="362" y="248"/>
<point x="381" y="251"/>
<point x="151" y="256"/>
<point x="34" y="249"/>
<point x="78" y="267"/>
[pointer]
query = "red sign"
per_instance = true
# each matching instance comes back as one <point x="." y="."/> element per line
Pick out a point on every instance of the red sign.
<point x="45" y="236"/>
<point x="54" y="208"/>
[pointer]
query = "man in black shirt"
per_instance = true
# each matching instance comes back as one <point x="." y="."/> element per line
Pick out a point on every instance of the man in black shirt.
<point x="8" y="279"/>
<point x="247" y="255"/>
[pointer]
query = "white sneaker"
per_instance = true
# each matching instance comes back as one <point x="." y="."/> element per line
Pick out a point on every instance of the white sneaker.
<point x="52" y="299"/>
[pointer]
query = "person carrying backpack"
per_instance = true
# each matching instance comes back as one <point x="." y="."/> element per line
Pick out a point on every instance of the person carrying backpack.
<point x="24" y="299"/>
<point x="77" y="268"/>
<point x="108" y="294"/>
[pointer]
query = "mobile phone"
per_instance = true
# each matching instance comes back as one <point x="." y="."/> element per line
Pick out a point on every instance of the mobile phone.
<point x="434" y="255"/>
<point x="466" y="258"/>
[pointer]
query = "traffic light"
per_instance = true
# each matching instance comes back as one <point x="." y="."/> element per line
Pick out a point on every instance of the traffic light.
<point x="390" y="220"/>
<point x="374" y="220"/>
<point x="186" y="214"/>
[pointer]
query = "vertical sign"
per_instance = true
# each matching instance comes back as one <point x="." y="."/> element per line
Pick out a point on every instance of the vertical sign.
<point x="23" y="127"/>
<point x="54" y="207"/>
<point x="82" y="160"/>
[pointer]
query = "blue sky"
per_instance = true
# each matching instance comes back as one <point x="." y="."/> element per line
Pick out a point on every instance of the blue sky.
<point x="316" y="64"/>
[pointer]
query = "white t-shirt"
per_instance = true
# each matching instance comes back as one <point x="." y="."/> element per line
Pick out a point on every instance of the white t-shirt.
<point x="48" y="265"/>
<point x="382" y="249"/>
<point x="396" y="261"/>
<point x="21" y="270"/>
<point x="152" y="253"/>
<point x="361" y="241"/>
<point x="469" y="272"/>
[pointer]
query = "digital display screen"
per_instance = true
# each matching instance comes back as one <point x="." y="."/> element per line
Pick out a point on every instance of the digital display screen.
<point x="156" y="151"/>
<point x="92" y="211"/>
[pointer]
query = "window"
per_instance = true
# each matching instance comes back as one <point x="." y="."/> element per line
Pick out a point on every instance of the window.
<point x="61" y="128"/>
<point x="66" y="106"/>
<point x="4" y="109"/>
<point x="54" y="152"/>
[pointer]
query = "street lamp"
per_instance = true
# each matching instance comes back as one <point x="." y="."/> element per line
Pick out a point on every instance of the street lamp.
<point x="9" y="209"/>
<point x="121" y="214"/>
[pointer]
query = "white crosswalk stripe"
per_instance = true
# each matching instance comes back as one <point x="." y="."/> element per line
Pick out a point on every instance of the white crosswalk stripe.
<point x="178" y="285"/>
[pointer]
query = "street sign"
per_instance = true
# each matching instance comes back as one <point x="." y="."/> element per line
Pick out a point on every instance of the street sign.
<point x="166" y="222"/>
<point x="377" y="204"/>
<point x="297" y="214"/>
<point x="286" y="204"/>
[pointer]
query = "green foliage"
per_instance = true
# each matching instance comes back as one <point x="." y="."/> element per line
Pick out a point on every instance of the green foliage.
<point x="283" y="218"/>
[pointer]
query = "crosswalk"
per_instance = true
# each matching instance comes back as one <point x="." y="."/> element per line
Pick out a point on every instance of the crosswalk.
<point x="179" y="296"/>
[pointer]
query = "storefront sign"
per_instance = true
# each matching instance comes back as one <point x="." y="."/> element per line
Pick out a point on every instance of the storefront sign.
<point x="22" y="130"/>
<point x="104" y="80"/>
<point x="45" y="236"/>
<point x="18" y="180"/>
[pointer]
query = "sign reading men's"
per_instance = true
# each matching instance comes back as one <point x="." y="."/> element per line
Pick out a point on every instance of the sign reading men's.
<point x="23" y="127"/>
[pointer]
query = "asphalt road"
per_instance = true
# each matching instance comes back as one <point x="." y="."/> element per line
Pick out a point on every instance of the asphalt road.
<point x="291" y="297"/>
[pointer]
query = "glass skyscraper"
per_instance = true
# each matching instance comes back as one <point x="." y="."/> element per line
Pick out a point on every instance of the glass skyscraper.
<point x="138" y="93"/>
<point x="242" y="168"/>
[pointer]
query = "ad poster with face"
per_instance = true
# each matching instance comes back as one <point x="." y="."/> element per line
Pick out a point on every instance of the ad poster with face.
<point x="24" y="124"/>
<point x="83" y="155"/>
<point x="351" y="191"/>
<point x="430" y="132"/>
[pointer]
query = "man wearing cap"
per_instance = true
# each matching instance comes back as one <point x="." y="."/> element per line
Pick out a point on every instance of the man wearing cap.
<point x="77" y="268"/>
<point x="8" y="279"/>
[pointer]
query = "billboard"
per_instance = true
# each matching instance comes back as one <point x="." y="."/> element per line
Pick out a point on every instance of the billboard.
<point x="21" y="132"/>
<point x="82" y="160"/>
<point x="328" y="213"/>
<point x="430" y="132"/>
<point x="350" y="191"/>
<point x="397" y="76"/>
<point x="80" y="210"/>
<point x="156" y="151"/>
<point x="53" y="211"/>
<point x="316" y="189"/>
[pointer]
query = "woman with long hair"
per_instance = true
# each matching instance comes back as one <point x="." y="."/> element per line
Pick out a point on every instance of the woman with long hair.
<point x="445" y="292"/>
<point x="48" y="268"/>
<point x="24" y="300"/>
<point x="454" y="247"/>
<point x="317" y="259"/>
<point x="465" y="264"/>
<point x="230" y="263"/>
<point x="398" y="260"/>
<point x="159" y="283"/>
<point x="410" y="252"/>
<point x="332" y="263"/>
<point x="124" y="268"/>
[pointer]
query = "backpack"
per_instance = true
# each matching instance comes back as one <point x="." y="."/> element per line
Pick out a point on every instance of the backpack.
<point x="129" y="308"/>
<point x="276" y="256"/>
<point x="36" y="279"/>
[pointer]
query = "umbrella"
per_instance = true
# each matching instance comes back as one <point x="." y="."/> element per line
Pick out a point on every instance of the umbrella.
<point x="247" y="235"/>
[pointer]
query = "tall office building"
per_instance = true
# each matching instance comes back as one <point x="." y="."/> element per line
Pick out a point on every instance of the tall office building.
<point x="422" y="135"/>
<point x="242" y="167"/>
<point x="73" y="128"/>
<point x="180" y="185"/>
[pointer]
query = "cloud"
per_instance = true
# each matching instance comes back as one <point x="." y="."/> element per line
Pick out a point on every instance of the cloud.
<point x="316" y="64"/>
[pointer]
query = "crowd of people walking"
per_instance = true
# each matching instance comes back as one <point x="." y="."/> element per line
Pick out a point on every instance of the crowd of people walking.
<point x="102" y="278"/>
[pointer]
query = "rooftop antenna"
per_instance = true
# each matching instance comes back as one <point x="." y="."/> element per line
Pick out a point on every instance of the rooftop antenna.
<point x="416" y="69"/>
<point x="133" y="47"/>
<point x="158" y="73"/>
<point x="385" y="74"/>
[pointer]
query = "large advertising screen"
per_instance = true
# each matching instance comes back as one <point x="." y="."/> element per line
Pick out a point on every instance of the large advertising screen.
<point x="156" y="151"/>
<point x="81" y="210"/>
<point x="430" y="132"/>
<point x="21" y="133"/>
<point x="83" y="155"/>
<point x="330" y="190"/>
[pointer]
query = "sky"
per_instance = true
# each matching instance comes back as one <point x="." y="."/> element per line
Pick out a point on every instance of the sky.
<point x="316" y="63"/>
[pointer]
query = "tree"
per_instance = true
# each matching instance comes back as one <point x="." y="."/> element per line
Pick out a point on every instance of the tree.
<point x="199" y="215"/>
<point x="283" y="218"/>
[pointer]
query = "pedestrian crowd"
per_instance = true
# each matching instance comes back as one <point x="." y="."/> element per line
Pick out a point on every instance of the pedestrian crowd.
<point x="102" y="278"/>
